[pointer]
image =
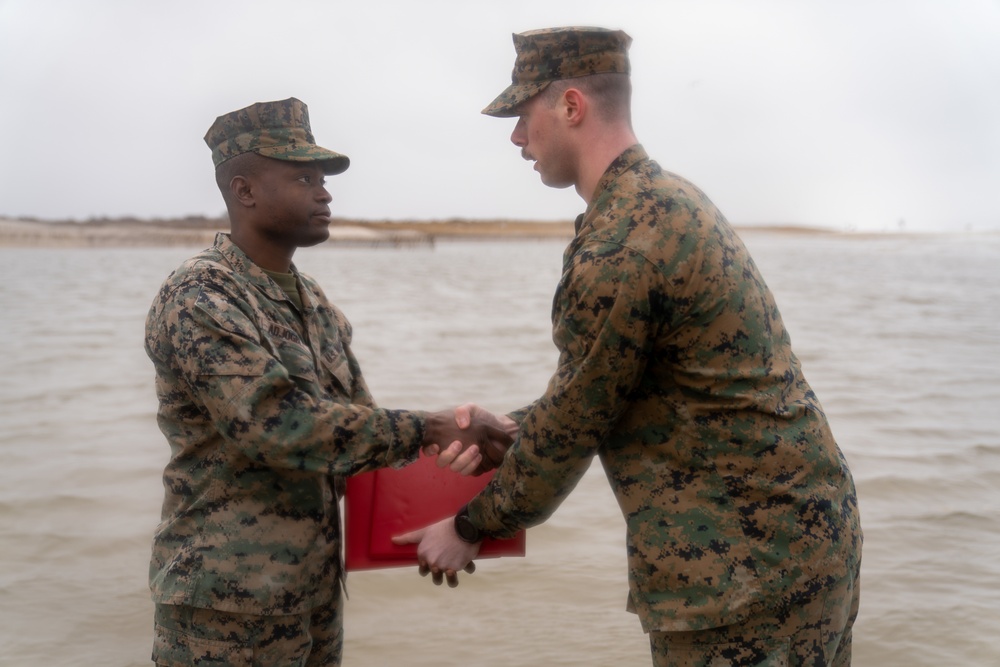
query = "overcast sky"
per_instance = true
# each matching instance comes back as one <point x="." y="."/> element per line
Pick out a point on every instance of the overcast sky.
<point x="848" y="114"/>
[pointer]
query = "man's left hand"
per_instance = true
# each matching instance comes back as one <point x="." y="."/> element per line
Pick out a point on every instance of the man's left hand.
<point x="441" y="552"/>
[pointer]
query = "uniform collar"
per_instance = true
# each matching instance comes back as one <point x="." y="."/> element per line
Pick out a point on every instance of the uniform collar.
<point x="630" y="156"/>
<point x="245" y="266"/>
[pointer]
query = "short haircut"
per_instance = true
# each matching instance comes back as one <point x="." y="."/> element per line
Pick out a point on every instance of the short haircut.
<point x="244" y="164"/>
<point x="610" y="92"/>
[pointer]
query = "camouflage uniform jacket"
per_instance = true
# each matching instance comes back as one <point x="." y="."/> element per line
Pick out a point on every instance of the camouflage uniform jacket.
<point x="264" y="410"/>
<point x="675" y="368"/>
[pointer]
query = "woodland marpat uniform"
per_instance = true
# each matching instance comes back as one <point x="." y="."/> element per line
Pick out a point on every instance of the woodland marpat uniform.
<point x="676" y="370"/>
<point x="265" y="409"/>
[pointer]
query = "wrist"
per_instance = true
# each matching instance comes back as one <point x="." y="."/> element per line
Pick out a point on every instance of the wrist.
<point x="511" y="427"/>
<point x="432" y="427"/>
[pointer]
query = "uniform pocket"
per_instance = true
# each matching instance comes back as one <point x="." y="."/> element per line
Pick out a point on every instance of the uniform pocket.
<point x="340" y="370"/>
<point x="757" y="652"/>
<point x="172" y="648"/>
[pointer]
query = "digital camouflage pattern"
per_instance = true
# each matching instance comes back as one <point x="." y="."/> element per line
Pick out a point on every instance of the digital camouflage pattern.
<point x="278" y="130"/>
<point x="265" y="409"/>
<point x="544" y="56"/>
<point x="675" y="368"/>
<point x="817" y="632"/>
<point x="185" y="636"/>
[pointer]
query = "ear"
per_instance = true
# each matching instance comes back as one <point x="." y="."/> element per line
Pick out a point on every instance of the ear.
<point x="242" y="191"/>
<point x="575" y="106"/>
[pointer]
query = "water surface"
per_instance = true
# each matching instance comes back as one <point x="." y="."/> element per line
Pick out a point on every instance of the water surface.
<point x="898" y="335"/>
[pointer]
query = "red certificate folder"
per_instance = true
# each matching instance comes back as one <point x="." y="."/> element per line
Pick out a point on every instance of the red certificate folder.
<point x="382" y="504"/>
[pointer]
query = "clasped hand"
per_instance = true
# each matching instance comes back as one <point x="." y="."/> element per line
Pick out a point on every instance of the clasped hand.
<point x="469" y="440"/>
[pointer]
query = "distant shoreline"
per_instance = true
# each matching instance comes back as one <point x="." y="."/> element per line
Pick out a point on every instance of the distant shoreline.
<point x="128" y="232"/>
<point x="201" y="231"/>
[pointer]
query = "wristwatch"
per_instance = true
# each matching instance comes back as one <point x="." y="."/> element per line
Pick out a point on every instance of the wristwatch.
<point x="467" y="530"/>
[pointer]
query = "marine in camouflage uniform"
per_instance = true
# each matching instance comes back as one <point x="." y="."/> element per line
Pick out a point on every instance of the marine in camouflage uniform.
<point x="265" y="410"/>
<point x="675" y="369"/>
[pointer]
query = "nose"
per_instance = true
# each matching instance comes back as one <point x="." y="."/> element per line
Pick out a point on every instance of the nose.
<point x="518" y="137"/>
<point x="323" y="195"/>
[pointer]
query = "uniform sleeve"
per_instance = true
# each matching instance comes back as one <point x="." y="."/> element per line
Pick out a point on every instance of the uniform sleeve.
<point x="519" y="414"/>
<point x="259" y="404"/>
<point x="602" y="327"/>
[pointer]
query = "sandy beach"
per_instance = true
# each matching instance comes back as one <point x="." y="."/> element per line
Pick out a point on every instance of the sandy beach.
<point x="198" y="231"/>
<point x="201" y="231"/>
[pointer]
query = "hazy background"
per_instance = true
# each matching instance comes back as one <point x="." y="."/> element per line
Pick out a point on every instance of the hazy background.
<point x="844" y="114"/>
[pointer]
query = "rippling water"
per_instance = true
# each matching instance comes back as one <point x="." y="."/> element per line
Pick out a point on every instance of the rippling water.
<point x="899" y="335"/>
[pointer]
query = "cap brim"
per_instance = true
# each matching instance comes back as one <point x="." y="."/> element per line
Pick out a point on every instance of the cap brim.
<point x="333" y="163"/>
<point x="506" y="103"/>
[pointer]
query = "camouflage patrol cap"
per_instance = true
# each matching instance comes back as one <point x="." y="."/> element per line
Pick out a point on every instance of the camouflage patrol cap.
<point x="277" y="130"/>
<point x="544" y="56"/>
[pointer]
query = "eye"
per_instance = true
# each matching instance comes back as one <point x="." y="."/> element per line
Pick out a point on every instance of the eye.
<point x="309" y="179"/>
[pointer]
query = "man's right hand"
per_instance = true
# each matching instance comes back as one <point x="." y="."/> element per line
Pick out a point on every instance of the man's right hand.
<point x="470" y="440"/>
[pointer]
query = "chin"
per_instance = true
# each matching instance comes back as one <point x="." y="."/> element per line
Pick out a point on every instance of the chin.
<point x="558" y="181"/>
<point x="318" y="236"/>
<point x="559" y="185"/>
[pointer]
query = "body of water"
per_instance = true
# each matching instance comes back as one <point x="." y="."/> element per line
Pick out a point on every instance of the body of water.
<point x="899" y="336"/>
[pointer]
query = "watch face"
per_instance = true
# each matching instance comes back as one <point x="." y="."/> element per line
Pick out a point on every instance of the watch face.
<point x="465" y="529"/>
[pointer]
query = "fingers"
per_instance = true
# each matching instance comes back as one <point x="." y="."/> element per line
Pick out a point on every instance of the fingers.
<point x="442" y="553"/>
<point x="439" y="577"/>
<point x="409" y="538"/>
<point x="449" y="575"/>
<point x="463" y="460"/>
<point x="452" y="576"/>
<point x="457" y="452"/>
<point x="467" y="462"/>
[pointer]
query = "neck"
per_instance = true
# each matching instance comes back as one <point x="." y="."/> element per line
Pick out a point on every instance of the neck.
<point x="264" y="254"/>
<point x="600" y="149"/>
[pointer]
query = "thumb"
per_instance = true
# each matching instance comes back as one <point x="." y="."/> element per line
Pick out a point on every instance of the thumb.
<point x="409" y="538"/>
<point x="463" y="415"/>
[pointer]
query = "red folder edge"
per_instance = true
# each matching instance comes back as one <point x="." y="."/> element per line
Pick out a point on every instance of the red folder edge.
<point x="385" y="503"/>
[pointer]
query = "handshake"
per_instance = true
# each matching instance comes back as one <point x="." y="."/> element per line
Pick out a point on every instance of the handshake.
<point x="470" y="440"/>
